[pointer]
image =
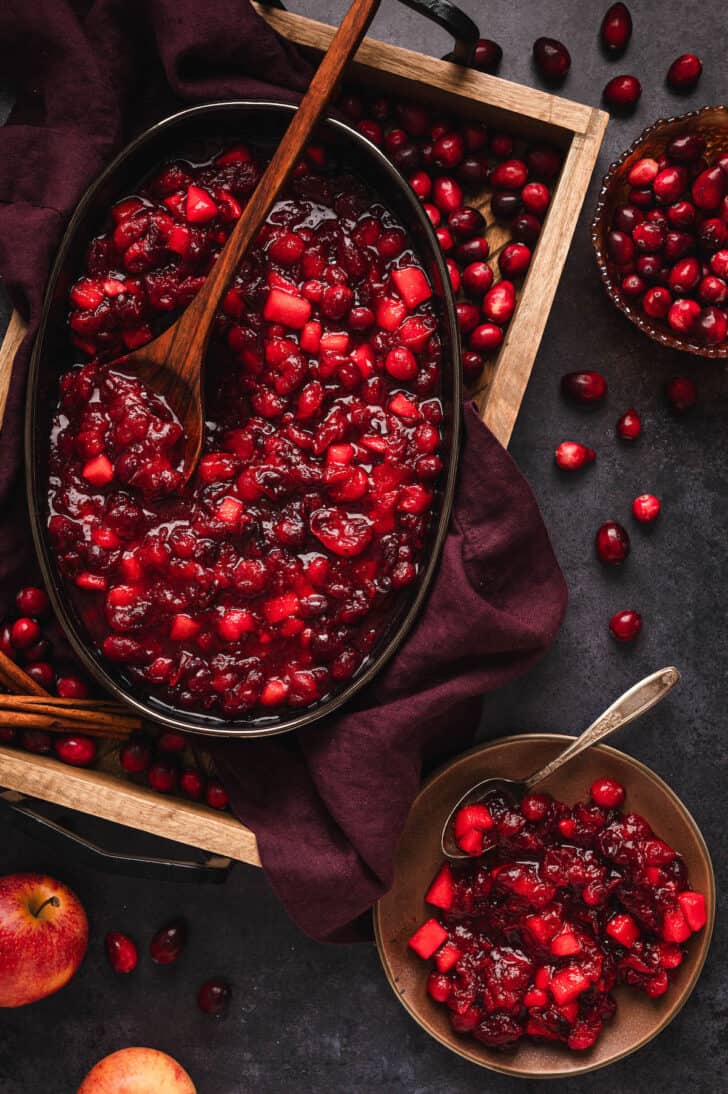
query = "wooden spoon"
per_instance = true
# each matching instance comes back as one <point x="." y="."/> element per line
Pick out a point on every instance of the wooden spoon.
<point x="171" y="364"/>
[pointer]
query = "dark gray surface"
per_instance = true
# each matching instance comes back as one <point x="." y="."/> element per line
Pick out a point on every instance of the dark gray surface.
<point x="322" y="1019"/>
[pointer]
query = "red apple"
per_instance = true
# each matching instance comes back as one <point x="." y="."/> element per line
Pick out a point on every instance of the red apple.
<point x="137" y="1071"/>
<point x="43" y="937"/>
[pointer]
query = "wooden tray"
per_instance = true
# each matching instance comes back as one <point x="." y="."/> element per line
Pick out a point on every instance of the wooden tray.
<point x="575" y="128"/>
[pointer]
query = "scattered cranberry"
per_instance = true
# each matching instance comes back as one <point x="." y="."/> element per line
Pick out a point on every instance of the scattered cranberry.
<point x="487" y="55"/>
<point x="616" y="28"/>
<point x="585" y="387"/>
<point x="477" y="278"/>
<point x="24" y="632"/>
<point x="135" y="755"/>
<point x="75" y="749"/>
<point x="684" y="72"/>
<point x="36" y="740"/>
<point x="121" y="952"/>
<point x="216" y="795"/>
<point x="171" y="741"/>
<point x="31" y="600"/>
<point x="552" y="59"/>
<point x="514" y="259"/>
<point x="42" y="673"/>
<point x="646" y="508"/>
<point x="162" y="776"/>
<point x="681" y="393"/>
<point x="607" y="793"/>
<point x="622" y="92"/>
<point x="213" y="998"/>
<point x="169" y="942"/>
<point x="571" y="456"/>
<point x="629" y="425"/>
<point x="625" y="626"/>
<point x="72" y="687"/>
<point x="192" y="784"/>
<point x="472" y="367"/>
<point x="612" y="543"/>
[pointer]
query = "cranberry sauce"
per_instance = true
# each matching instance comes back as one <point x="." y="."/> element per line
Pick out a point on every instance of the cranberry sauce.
<point x="267" y="581"/>
<point x="559" y="904"/>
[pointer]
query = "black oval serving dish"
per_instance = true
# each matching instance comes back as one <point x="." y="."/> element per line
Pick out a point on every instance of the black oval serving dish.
<point x="53" y="354"/>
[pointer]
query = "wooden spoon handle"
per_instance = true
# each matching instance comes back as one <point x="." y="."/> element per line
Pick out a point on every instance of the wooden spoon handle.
<point x="192" y="329"/>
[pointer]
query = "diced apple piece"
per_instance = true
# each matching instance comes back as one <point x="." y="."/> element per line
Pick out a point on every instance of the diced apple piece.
<point x="428" y="938"/>
<point x="442" y="890"/>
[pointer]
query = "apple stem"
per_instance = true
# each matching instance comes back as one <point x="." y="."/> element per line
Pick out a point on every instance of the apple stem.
<point x="53" y="900"/>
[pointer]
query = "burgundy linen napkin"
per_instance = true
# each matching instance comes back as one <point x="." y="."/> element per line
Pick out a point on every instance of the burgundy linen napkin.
<point x="328" y="803"/>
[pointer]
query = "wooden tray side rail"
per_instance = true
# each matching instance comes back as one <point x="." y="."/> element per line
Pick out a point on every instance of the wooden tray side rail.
<point x="533" y="114"/>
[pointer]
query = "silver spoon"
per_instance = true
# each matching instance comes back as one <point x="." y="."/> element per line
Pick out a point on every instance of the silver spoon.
<point x="629" y="706"/>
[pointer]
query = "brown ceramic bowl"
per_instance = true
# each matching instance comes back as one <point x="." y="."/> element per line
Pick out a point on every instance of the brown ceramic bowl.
<point x="712" y="122"/>
<point x="399" y="913"/>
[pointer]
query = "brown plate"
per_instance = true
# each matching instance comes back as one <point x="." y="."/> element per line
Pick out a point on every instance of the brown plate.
<point x="712" y="122"/>
<point x="400" y="912"/>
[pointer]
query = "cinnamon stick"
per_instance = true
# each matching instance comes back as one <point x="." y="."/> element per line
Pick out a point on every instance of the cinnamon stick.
<point x="24" y="720"/>
<point x="65" y="712"/>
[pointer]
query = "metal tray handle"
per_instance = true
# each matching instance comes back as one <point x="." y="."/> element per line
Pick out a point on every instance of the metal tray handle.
<point x="214" y="869"/>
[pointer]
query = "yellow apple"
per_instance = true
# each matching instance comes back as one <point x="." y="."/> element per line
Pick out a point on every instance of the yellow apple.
<point x="137" y="1071"/>
<point x="43" y="937"/>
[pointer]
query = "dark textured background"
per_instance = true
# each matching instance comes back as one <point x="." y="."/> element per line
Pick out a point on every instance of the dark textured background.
<point x="323" y="1019"/>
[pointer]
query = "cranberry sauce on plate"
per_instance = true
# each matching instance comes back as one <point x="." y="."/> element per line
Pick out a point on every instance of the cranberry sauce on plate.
<point x="266" y="583"/>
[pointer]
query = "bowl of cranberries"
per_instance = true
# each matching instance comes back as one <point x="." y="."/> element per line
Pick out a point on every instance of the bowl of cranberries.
<point x="264" y="593"/>
<point x="660" y="232"/>
<point x="576" y="928"/>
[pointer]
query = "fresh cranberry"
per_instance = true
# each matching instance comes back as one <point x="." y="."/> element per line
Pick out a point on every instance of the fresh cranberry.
<point x="629" y="425"/>
<point x="216" y="795"/>
<point x="536" y="197"/>
<point x="552" y="59"/>
<point x="192" y="784"/>
<point x="135" y="755"/>
<point x="612" y="543"/>
<point x="570" y="455"/>
<point x="162" y="776"/>
<point x="514" y="260"/>
<point x="632" y="285"/>
<point x="42" y="673"/>
<point x="708" y="188"/>
<point x="646" y="508"/>
<point x="622" y="92"/>
<point x="607" y="793"/>
<point x="121" y="952"/>
<point x="657" y="302"/>
<point x="616" y="28"/>
<point x="169" y="942"/>
<point x="683" y="316"/>
<point x="686" y="148"/>
<point x="24" y="632"/>
<point x="684" y="72"/>
<point x="487" y="55"/>
<point x="526" y="228"/>
<point x="712" y="326"/>
<point x="75" y="749"/>
<point x="620" y="247"/>
<point x="681" y="393"/>
<point x="37" y="741"/>
<point x="477" y="278"/>
<point x="499" y="302"/>
<point x="509" y="175"/>
<point x="626" y="218"/>
<point x="72" y="687"/>
<point x="486" y="338"/>
<point x="625" y="625"/>
<point x="544" y="162"/>
<point x="213" y="997"/>
<point x="171" y="740"/>
<point x="585" y="387"/>
<point x="466" y="222"/>
<point x="669" y="185"/>
<point x="505" y="205"/>
<point x="684" y="276"/>
<point x="31" y="600"/>
<point x="448" y="150"/>
<point x="472" y="367"/>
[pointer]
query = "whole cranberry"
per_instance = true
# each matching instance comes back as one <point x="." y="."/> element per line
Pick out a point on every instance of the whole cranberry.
<point x="648" y="237"/>
<point x="169" y="942"/>
<point x="571" y="456"/>
<point x="473" y="170"/>
<point x="712" y="326"/>
<point x="477" y="278"/>
<point x="622" y="92"/>
<point x="641" y="196"/>
<point x="216" y="795"/>
<point x="447" y="194"/>
<point x="620" y="247"/>
<point x="708" y="188"/>
<point x="643" y="172"/>
<point x="505" y="205"/>
<point x="677" y="245"/>
<point x="585" y="387"/>
<point x="75" y="749"/>
<point x="171" y="741"/>
<point x="214" y="997"/>
<point x="612" y="543"/>
<point x="626" y="218"/>
<point x="552" y="59"/>
<point x="448" y="150"/>
<point x="616" y="28"/>
<point x="486" y="338"/>
<point x="487" y="55"/>
<point x="681" y="214"/>
<point x="444" y="238"/>
<point x="657" y="301"/>
<point x="6" y="645"/>
<point x="32" y="600"/>
<point x="683" y="315"/>
<point x="509" y="175"/>
<point x="466" y="222"/>
<point x="468" y="316"/>
<point x="646" y="508"/>
<point x="421" y="183"/>
<point x="712" y="234"/>
<point x="472" y="250"/>
<point x="162" y="776"/>
<point x="669" y="185"/>
<point x="681" y="393"/>
<point x="37" y="741"/>
<point x="713" y="290"/>
<point x="135" y="755"/>
<point x="684" y="276"/>
<point x="192" y="784"/>
<point x="629" y="425"/>
<point x="514" y="260"/>
<point x="544" y="161"/>
<point x="719" y="264"/>
<point x="72" y="687"/>
<point x="499" y="302"/>
<point x="684" y="72"/>
<point x="121" y="952"/>
<point x="472" y="367"/>
<point x="42" y="673"/>
<point x="24" y="632"/>
<point x="526" y="228"/>
<point x="632" y="285"/>
<point x="535" y="806"/>
<point x="607" y="793"/>
<point x="625" y="626"/>
<point x="686" y="148"/>
<point x="7" y="735"/>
